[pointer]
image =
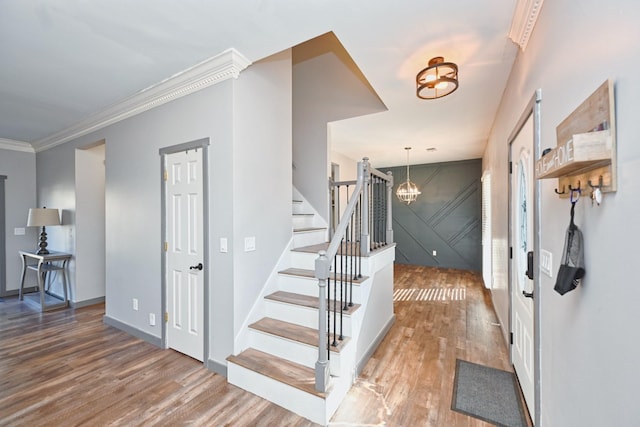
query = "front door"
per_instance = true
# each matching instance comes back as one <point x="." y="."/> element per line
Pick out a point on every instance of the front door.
<point x="521" y="243"/>
<point x="185" y="284"/>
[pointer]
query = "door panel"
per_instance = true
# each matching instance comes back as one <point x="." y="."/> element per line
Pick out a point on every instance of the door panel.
<point x="521" y="242"/>
<point x="185" y="303"/>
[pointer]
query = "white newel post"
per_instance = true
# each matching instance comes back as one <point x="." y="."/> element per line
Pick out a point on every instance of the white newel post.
<point x="322" y="365"/>
<point x="365" y="244"/>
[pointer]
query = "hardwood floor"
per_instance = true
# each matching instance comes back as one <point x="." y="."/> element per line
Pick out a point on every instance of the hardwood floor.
<point x="69" y="368"/>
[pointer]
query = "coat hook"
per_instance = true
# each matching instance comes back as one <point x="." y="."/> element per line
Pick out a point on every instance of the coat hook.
<point x="599" y="186"/>
<point x="574" y="189"/>
<point x="564" y="191"/>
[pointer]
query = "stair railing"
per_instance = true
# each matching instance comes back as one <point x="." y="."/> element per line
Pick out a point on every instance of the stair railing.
<point x="365" y="225"/>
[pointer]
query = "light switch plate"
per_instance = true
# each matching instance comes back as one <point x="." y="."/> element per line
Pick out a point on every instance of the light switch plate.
<point x="18" y="231"/>
<point x="249" y="244"/>
<point x="223" y="245"/>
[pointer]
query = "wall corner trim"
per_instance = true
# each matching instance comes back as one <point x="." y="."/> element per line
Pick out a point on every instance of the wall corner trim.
<point x="219" y="68"/>
<point x="524" y="19"/>
<point x="11" y="144"/>
<point x="374" y="345"/>
<point x="131" y="330"/>
<point x="217" y="367"/>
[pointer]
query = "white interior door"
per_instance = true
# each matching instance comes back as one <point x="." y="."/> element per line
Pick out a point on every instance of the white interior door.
<point x="185" y="287"/>
<point x="522" y="225"/>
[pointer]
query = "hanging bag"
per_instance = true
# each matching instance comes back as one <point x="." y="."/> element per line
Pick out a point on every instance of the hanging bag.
<point x="572" y="267"/>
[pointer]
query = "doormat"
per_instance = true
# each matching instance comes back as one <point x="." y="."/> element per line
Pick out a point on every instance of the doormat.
<point x="489" y="394"/>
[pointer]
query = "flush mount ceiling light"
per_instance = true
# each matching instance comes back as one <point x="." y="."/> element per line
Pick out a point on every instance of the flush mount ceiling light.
<point x="437" y="80"/>
<point x="407" y="192"/>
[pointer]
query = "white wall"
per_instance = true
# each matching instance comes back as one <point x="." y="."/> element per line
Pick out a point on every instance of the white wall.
<point x="133" y="204"/>
<point x="90" y="220"/>
<point x="20" y="195"/>
<point x="262" y="175"/>
<point x="588" y="342"/>
<point x="327" y="86"/>
<point x="248" y="123"/>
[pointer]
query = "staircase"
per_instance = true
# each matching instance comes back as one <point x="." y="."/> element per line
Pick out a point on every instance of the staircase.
<point x="279" y="352"/>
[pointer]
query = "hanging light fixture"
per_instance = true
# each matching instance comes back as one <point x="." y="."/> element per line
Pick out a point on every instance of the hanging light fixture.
<point x="437" y="80"/>
<point x="407" y="192"/>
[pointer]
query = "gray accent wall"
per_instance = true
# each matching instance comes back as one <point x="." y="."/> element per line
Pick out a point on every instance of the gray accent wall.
<point x="445" y="218"/>
<point x="589" y="347"/>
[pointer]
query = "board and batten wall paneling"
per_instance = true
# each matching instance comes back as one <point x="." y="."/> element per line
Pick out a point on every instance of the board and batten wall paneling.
<point x="446" y="217"/>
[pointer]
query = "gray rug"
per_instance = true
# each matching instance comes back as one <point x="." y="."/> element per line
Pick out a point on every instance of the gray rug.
<point x="486" y="393"/>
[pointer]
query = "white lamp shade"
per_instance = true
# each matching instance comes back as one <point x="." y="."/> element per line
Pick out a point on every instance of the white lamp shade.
<point x="39" y="217"/>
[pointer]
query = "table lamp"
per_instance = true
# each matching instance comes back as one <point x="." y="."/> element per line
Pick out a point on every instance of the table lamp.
<point x="40" y="218"/>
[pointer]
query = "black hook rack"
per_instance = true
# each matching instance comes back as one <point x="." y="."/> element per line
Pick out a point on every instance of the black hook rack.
<point x="599" y="186"/>
<point x="560" y="192"/>
<point x="575" y="189"/>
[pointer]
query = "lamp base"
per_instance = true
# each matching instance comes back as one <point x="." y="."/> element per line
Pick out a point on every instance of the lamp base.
<point x="43" y="243"/>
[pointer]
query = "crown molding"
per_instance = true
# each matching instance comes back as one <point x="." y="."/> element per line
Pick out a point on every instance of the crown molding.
<point x="214" y="70"/>
<point x="524" y="19"/>
<point x="10" y="144"/>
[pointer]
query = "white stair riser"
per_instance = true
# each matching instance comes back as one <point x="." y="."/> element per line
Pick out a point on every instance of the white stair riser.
<point x="307" y="260"/>
<point x="304" y="316"/>
<point x="297" y="207"/>
<point x="302" y="221"/>
<point x="304" y="404"/>
<point x="291" y="350"/>
<point x="308" y="238"/>
<point x="308" y="286"/>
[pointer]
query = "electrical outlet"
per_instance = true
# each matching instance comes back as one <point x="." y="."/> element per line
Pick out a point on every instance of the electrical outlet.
<point x="435" y="253"/>
<point x="152" y="319"/>
<point x="135" y="304"/>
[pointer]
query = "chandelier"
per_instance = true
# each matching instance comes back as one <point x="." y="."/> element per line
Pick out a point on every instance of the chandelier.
<point x="407" y="192"/>
<point x="437" y="80"/>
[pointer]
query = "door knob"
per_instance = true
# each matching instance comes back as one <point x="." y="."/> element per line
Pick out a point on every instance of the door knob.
<point x="196" y="267"/>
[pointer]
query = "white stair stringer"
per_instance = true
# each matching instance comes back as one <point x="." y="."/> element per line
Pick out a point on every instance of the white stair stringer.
<point x="318" y="409"/>
<point x="299" y="395"/>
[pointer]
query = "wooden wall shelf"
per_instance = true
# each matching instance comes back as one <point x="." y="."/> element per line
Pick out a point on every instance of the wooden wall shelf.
<point x="586" y="150"/>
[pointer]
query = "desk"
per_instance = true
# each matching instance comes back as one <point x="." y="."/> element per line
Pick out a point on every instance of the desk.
<point x="43" y="264"/>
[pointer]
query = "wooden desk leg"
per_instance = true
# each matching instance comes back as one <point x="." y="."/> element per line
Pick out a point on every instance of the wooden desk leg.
<point x="65" y="282"/>
<point x="24" y="272"/>
<point x="41" y="275"/>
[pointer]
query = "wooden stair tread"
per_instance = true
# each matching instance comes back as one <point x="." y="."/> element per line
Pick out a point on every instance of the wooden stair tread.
<point x="294" y="332"/>
<point x="308" y="229"/>
<point x="302" y="272"/>
<point x="353" y="251"/>
<point x="305" y="301"/>
<point x="279" y="369"/>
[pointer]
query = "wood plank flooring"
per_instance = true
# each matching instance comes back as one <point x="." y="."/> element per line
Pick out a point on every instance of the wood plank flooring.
<point x="68" y="368"/>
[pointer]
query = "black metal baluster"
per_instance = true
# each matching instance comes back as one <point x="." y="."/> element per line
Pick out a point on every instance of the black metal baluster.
<point x="335" y="297"/>
<point x="360" y="237"/>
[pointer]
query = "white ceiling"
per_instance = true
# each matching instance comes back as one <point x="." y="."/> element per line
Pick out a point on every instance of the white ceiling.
<point x="61" y="62"/>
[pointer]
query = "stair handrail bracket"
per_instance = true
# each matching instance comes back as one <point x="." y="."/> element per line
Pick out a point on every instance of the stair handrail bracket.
<point x="364" y="225"/>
